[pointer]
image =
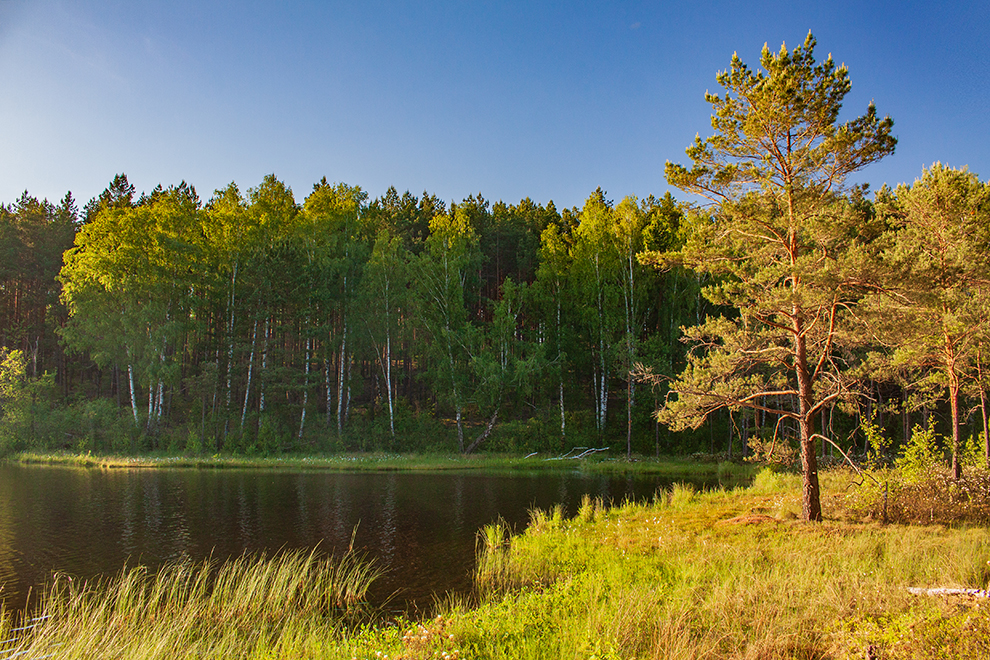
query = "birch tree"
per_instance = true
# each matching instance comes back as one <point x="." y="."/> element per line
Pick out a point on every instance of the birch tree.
<point x="385" y="287"/>
<point x="597" y="283"/>
<point x="552" y="291"/>
<point x="442" y="272"/>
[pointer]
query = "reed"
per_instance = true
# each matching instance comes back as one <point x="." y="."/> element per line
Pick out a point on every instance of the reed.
<point x="246" y="607"/>
<point x="492" y="574"/>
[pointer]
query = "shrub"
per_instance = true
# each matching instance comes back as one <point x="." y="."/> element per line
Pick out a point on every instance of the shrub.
<point x="921" y="457"/>
<point x="973" y="453"/>
<point x="877" y="445"/>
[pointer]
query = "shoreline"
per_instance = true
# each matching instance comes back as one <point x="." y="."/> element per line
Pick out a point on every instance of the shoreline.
<point x="722" y="573"/>
<point x="674" y="467"/>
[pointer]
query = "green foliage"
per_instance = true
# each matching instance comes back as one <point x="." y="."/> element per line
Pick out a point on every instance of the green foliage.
<point x="12" y="399"/>
<point x="95" y="425"/>
<point x="877" y="445"/>
<point x="270" y="440"/>
<point x="973" y="455"/>
<point x="33" y="235"/>
<point x="921" y="457"/>
<point x="933" y="310"/>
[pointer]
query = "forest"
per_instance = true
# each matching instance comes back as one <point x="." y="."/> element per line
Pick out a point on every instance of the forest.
<point x="254" y="322"/>
<point x="783" y="309"/>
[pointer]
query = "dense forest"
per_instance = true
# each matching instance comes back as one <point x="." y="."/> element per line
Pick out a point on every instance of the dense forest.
<point x="255" y="322"/>
<point x="791" y="311"/>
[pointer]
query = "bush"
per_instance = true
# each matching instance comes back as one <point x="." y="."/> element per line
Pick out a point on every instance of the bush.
<point x="877" y="446"/>
<point x="973" y="453"/>
<point x="920" y="489"/>
<point x="921" y="458"/>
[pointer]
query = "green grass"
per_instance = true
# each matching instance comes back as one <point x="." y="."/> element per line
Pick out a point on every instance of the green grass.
<point x="679" y="468"/>
<point x="692" y="574"/>
<point x="725" y="574"/>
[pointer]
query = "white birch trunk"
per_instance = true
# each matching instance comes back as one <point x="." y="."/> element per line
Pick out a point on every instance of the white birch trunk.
<point x="630" y="348"/>
<point x="340" y="382"/>
<point x="388" y="380"/>
<point x="603" y="388"/>
<point x="347" y="405"/>
<point x="159" y="399"/>
<point x="329" y="389"/>
<point x="264" y="366"/>
<point x="302" y="416"/>
<point x="130" y="378"/>
<point x="247" y="387"/>
<point x="230" y="346"/>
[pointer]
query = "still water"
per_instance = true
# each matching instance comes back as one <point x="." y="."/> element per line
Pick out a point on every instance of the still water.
<point x="419" y="527"/>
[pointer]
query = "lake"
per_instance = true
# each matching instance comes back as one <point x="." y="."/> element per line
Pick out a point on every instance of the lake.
<point x="420" y="527"/>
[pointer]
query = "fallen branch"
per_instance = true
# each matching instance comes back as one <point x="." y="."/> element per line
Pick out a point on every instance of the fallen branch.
<point x="942" y="591"/>
<point x="585" y="451"/>
<point x="484" y="434"/>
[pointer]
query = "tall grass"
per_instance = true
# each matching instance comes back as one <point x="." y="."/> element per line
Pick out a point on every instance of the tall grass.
<point x="289" y="605"/>
<point x="724" y="575"/>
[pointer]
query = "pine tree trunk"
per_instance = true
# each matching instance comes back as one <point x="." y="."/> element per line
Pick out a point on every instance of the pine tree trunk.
<point x="983" y="408"/>
<point x="811" y="507"/>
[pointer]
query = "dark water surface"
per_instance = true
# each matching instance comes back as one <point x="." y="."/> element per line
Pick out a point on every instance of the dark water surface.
<point x="420" y="527"/>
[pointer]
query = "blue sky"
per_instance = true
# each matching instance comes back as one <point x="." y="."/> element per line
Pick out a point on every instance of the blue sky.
<point x="546" y="100"/>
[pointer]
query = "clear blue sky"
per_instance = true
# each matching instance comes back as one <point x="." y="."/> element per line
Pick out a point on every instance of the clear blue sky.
<point x="511" y="99"/>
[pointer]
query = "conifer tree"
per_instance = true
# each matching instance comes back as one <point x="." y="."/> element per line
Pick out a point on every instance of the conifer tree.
<point x="775" y="234"/>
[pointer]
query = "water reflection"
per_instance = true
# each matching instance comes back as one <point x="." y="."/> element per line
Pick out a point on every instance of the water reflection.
<point x="419" y="527"/>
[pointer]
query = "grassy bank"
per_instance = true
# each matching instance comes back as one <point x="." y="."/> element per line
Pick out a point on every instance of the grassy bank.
<point x="727" y="574"/>
<point x="684" y="468"/>
<point x="719" y="574"/>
